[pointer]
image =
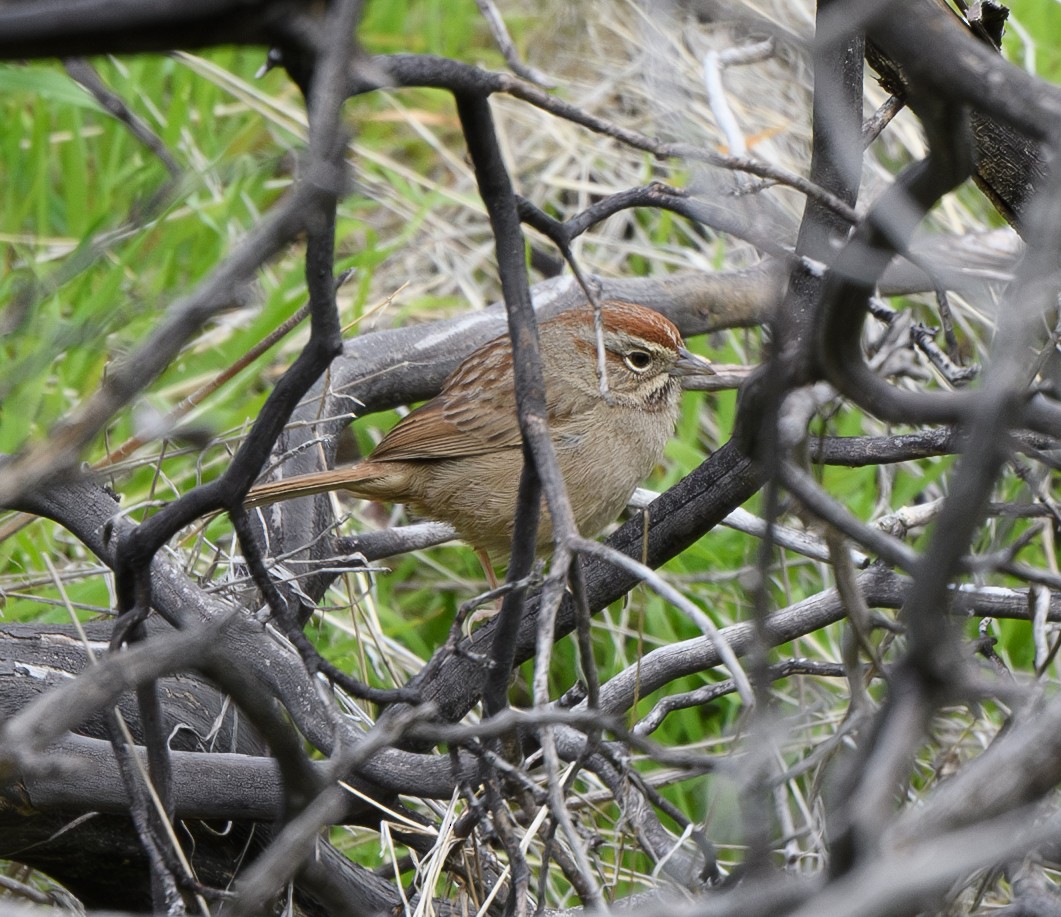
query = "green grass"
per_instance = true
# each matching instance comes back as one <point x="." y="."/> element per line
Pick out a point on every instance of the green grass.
<point x="73" y="177"/>
<point x="1042" y="21"/>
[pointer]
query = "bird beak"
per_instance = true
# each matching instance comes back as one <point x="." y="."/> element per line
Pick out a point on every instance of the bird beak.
<point x="689" y="365"/>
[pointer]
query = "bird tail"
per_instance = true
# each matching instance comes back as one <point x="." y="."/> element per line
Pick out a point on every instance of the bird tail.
<point x="306" y="485"/>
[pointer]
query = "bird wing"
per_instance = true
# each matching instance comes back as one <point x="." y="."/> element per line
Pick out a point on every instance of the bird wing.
<point x="460" y="420"/>
<point x="438" y="430"/>
<point x="455" y="425"/>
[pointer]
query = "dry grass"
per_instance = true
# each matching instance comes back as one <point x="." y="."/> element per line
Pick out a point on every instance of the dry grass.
<point x="639" y="65"/>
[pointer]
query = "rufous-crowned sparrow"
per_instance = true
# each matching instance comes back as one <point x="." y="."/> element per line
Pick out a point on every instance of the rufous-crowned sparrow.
<point x="458" y="457"/>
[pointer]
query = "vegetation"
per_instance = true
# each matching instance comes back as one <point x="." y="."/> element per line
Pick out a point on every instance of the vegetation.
<point x="891" y="591"/>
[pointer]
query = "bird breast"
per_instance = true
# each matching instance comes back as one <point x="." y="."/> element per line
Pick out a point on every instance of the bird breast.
<point x="603" y="454"/>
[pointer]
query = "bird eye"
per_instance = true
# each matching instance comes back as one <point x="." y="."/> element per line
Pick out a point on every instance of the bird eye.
<point x="638" y="360"/>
